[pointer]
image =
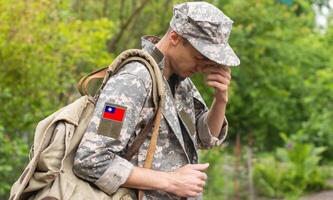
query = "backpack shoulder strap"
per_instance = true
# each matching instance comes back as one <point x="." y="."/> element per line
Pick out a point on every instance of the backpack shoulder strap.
<point x="89" y="84"/>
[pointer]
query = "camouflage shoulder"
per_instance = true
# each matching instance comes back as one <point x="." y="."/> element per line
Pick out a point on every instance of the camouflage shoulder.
<point x="140" y="71"/>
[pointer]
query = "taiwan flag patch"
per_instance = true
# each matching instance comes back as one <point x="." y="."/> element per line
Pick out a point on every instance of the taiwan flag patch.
<point x="113" y="112"/>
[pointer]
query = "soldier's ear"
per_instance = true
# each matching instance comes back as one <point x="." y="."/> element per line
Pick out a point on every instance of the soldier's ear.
<point x="174" y="38"/>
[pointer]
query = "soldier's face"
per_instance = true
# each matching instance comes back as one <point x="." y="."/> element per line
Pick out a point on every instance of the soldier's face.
<point x="185" y="60"/>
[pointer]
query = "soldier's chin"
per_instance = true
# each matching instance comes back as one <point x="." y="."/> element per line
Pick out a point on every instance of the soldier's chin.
<point x="183" y="76"/>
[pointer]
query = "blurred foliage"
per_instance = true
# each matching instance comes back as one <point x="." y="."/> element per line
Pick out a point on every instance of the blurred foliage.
<point x="17" y="151"/>
<point x="284" y="83"/>
<point x="291" y="170"/>
<point x="223" y="173"/>
<point x="219" y="183"/>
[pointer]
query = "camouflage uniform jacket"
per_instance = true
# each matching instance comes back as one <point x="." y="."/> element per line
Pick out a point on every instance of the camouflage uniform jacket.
<point x="182" y="131"/>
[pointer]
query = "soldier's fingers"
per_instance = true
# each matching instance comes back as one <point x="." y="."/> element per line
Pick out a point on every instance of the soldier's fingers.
<point x="198" y="189"/>
<point x="200" y="167"/>
<point x="193" y="194"/>
<point x="202" y="176"/>
<point x="226" y="69"/>
<point x="215" y="70"/>
<point x="202" y="183"/>
<point x="223" y="67"/>
<point x="218" y="78"/>
<point x="226" y="74"/>
<point x="217" y="85"/>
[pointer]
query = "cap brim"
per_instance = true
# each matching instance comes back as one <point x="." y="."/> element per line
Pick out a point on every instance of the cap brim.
<point x="219" y="53"/>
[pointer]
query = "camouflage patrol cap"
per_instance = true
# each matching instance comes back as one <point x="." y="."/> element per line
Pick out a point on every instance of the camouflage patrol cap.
<point x="207" y="29"/>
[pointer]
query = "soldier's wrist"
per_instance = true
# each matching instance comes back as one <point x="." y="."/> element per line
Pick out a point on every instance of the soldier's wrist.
<point x="172" y="182"/>
<point x="166" y="182"/>
<point x="221" y="99"/>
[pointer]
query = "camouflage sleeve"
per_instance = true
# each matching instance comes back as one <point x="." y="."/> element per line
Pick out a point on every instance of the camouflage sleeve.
<point x="205" y="138"/>
<point x="97" y="159"/>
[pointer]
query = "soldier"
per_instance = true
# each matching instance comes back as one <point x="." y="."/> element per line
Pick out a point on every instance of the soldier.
<point x="196" y="42"/>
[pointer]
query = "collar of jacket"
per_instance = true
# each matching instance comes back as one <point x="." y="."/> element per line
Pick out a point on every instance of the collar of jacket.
<point x="148" y="44"/>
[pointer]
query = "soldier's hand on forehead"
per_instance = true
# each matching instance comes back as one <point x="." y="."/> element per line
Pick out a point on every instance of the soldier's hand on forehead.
<point x="218" y="77"/>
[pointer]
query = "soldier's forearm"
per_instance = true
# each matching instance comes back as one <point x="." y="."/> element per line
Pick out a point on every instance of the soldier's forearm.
<point x="147" y="179"/>
<point x="187" y="181"/>
<point x="215" y="117"/>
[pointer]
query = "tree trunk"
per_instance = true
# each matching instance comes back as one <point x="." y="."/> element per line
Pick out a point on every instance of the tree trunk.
<point x="111" y="44"/>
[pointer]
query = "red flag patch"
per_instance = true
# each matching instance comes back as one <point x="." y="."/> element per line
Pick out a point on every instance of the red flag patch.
<point x="112" y="112"/>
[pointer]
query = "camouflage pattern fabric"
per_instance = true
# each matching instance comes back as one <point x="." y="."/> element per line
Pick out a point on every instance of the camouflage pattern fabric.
<point x="99" y="157"/>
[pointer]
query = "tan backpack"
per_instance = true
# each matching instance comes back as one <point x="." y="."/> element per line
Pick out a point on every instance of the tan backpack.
<point x="49" y="174"/>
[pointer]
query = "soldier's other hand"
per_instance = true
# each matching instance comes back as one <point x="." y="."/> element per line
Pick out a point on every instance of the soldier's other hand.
<point x="219" y="78"/>
<point x="188" y="181"/>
